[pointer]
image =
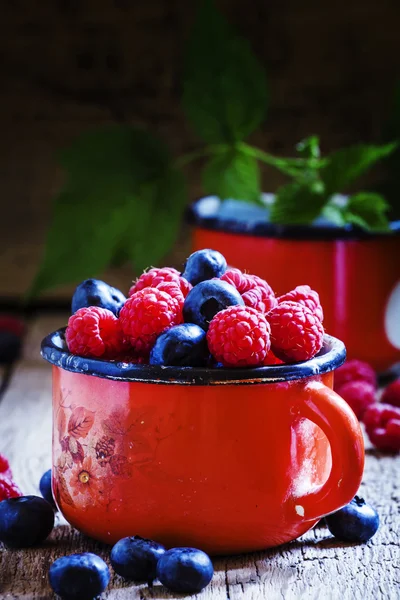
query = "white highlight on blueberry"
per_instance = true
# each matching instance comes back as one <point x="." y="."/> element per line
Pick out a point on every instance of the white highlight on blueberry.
<point x="392" y="317"/>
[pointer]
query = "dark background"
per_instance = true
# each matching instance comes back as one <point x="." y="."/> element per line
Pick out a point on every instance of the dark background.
<point x="67" y="65"/>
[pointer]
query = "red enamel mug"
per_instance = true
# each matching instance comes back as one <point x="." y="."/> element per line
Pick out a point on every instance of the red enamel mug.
<point x="355" y="272"/>
<point x="227" y="460"/>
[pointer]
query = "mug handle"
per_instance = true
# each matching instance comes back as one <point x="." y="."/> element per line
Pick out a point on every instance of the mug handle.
<point x="324" y="407"/>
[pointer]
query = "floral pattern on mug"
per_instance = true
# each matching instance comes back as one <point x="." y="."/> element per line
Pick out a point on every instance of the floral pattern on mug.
<point x="96" y="449"/>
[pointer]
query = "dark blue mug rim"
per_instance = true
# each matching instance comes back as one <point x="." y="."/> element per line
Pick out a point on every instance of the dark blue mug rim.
<point x="54" y="350"/>
<point x="312" y="233"/>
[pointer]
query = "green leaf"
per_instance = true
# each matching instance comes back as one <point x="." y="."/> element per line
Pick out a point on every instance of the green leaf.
<point x="298" y="203"/>
<point x="157" y="229"/>
<point x="346" y="165"/>
<point x="116" y="151"/>
<point x="335" y="214"/>
<point x="121" y="199"/>
<point x="225" y="91"/>
<point x="309" y="147"/>
<point x="232" y="174"/>
<point x="367" y="210"/>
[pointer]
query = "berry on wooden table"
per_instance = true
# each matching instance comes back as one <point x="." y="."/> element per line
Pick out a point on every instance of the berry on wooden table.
<point x="355" y="370"/>
<point x="391" y="394"/>
<point x="4" y="465"/>
<point x="45" y="488"/>
<point x="136" y="558"/>
<point x="8" y="489"/>
<point x="25" y="521"/>
<point x="185" y="570"/>
<point x="358" y="395"/>
<point x="239" y="337"/>
<point x="382" y="424"/>
<point x="79" y="576"/>
<point x="357" y="522"/>
<point x="11" y="334"/>
<point x="296" y="333"/>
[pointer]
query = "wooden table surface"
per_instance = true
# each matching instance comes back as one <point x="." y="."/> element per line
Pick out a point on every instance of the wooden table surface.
<point x="314" y="567"/>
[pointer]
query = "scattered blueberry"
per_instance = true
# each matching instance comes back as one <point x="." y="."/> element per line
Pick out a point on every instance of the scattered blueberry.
<point x="206" y="299"/>
<point x="10" y="347"/>
<point x="45" y="488"/>
<point x="136" y="558"/>
<point x="204" y="264"/>
<point x="93" y="292"/>
<point x="79" y="576"/>
<point x="185" y="570"/>
<point x="356" y="522"/>
<point x="11" y="333"/>
<point x="25" y="521"/>
<point x="183" y="345"/>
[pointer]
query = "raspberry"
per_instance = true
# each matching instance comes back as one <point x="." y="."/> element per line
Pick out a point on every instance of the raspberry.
<point x="382" y="423"/>
<point x="173" y="289"/>
<point x="271" y="359"/>
<point x="305" y="296"/>
<point x="358" y="395"/>
<point x="155" y="276"/>
<point x="296" y="333"/>
<point x="12" y="324"/>
<point x="145" y="315"/>
<point x="8" y="489"/>
<point x="94" y="331"/>
<point x="130" y="356"/>
<point x="255" y="292"/>
<point x="391" y="394"/>
<point x="4" y="464"/>
<point x="239" y="337"/>
<point x="355" y="370"/>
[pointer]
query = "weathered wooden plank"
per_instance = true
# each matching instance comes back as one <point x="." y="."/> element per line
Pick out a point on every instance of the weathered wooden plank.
<point x="314" y="567"/>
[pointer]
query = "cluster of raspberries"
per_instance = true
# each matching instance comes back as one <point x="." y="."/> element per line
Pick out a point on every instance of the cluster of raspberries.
<point x="263" y="330"/>
<point x="8" y="489"/>
<point x="356" y="382"/>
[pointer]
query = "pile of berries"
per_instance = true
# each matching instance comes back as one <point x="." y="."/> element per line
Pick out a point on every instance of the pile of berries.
<point x="207" y="315"/>
<point x="27" y="521"/>
<point x="356" y="382"/>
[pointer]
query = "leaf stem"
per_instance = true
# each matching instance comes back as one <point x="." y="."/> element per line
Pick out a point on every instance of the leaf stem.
<point x="289" y="166"/>
<point x="186" y="159"/>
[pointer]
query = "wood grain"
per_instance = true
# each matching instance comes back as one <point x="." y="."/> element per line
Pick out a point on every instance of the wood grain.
<point x="314" y="567"/>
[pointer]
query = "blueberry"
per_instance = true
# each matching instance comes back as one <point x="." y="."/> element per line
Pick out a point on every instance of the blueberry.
<point x="25" y="521"/>
<point x="10" y="346"/>
<point x="11" y="332"/>
<point x="356" y="522"/>
<point x="45" y="488"/>
<point x="136" y="558"/>
<point x="93" y="292"/>
<point x="204" y="264"/>
<point x="185" y="570"/>
<point x="206" y="299"/>
<point x="183" y="345"/>
<point x="79" y="576"/>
